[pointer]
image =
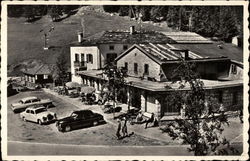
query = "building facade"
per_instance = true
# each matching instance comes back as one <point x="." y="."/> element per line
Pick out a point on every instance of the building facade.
<point x="151" y="68"/>
<point x="38" y="75"/>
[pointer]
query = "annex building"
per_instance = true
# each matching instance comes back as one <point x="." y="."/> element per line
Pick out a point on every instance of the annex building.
<point x="151" y="61"/>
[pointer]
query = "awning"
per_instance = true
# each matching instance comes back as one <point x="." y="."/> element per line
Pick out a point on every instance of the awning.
<point x="72" y="84"/>
<point x="87" y="89"/>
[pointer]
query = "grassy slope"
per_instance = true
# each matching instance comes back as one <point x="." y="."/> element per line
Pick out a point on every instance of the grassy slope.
<point x="26" y="42"/>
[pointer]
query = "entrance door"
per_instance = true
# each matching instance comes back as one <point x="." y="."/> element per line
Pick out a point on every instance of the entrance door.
<point x="136" y="98"/>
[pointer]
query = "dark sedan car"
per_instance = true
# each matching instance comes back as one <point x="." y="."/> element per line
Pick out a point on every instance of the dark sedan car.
<point x="79" y="119"/>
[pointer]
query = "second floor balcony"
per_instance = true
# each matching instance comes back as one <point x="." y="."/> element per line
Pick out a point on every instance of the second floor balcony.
<point x="80" y="64"/>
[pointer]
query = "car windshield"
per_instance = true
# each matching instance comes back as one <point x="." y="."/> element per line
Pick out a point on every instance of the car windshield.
<point x="20" y="102"/>
<point x="74" y="115"/>
<point x="41" y="110"/>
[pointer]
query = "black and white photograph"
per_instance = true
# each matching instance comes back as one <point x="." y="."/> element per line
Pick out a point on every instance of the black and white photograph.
<point x="137" y="80"/>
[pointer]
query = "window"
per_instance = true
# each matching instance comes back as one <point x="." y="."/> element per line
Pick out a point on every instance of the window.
<point x="35" y="100"/>
<point x="32" y="112"/>
<point x="125" y="47"/>
<point x="146" y="71"/>
<point x="220" y="97"/>
<point x="28" y="101"/>
<point x="111" y="47"/>
<point x="76" y="57"/>
<point x="82" y="57"/>
<point x="111" y="57"/>
<point x="45" y="76"/>
<point x="126" y="66"/>
<point x="27" y="111"/>
<point x="233" y="69"/>
<point x="135" y="68"/>
<point x="90" y="58"/>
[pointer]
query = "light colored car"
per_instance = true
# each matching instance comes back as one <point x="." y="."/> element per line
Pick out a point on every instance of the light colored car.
<point x="38" y="114"/>
<point x="28" y="101"/>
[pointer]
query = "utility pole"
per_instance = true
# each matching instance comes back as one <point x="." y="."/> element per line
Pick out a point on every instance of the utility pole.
<point x="46" y="39"/>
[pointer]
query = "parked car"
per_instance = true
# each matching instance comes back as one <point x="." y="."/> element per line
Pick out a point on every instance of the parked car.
<point x="74" y="95"/>
<point x="79" y="119"/>
<point x="28" y="101"/>
<point x="21" y="88"/>
<point x="38" y="114"/>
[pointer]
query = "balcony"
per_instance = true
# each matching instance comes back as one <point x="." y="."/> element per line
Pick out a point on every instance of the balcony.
<point x="80" y="64"/>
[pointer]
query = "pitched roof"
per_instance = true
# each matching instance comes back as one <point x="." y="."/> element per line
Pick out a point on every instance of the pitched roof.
<point x="123" y="37"/>
<point x="186" y="37"/>
<point x="40" y="69"/>
<point x="215" y="49"/>
<point x="164" y="53"/>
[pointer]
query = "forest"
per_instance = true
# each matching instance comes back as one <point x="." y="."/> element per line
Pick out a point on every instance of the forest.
<point x="222" y="22"/>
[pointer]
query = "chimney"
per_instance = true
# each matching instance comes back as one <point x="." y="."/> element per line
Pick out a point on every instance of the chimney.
<point x="132" y="30"/>
<point x="80" y="37"/>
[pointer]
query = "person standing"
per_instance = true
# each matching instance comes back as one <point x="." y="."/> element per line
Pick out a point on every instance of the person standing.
<point x="118" y="129"/>
<point x="150" y="120"/>
<point x="124" y="127"/>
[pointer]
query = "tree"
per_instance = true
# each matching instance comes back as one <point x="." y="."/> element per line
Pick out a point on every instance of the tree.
<point x="111" y="8"/>
<point x="124" y="11"/>
<point x="228" y="24"/>
<point x="201" y="128"/>
<point x="115" y="83"/>
<point x="61" y="69"/>
<point x="55" y="12"/>
<point x="15" y="10"/>
<point x="158" y="13"/>
<point x="67" y="9"/>
<point x="29" y="13"/>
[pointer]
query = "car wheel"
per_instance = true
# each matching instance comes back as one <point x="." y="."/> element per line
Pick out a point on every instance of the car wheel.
<point x="67" y="128"/>
<point x="39" y="122"/>
<point x="95" y="123"/>
<point x="24" y="119"/>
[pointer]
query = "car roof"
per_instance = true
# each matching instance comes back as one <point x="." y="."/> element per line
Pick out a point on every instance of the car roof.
<point x="28" y="98"/>
<point x="81" y="111"/>
<point x="35" y="107"/>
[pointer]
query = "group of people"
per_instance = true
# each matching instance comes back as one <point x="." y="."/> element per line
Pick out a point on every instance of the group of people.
<point x="122" y="124"/>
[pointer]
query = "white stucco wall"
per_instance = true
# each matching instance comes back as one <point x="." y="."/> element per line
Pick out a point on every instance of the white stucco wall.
<point x="84" y="51"/>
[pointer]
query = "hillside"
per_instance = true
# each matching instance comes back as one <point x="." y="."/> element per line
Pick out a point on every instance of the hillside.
<point x="25" y="41"/>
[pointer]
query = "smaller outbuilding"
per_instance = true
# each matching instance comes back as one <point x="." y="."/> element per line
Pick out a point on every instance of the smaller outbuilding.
<point x="41" y="75"/>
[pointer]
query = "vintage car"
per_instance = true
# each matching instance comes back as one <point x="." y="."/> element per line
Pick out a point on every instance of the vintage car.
<point x="79" y="119"/>
<point x="38" y="114"/>
<point x="28" y="101"/>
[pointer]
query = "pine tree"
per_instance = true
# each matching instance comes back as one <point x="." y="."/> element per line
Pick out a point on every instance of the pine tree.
<point x="15" y="10"/>
<point x="29" y="13"/>
<point x="228" y="24"/>
<point x="158" y="13"/>
<point x="55" y="12"/>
